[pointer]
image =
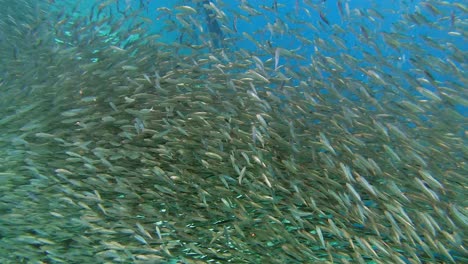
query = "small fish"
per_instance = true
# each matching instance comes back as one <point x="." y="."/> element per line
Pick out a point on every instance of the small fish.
<point x="186" y="9"/>
<point x="277" y="57"/>
<point x="324" y="18"/>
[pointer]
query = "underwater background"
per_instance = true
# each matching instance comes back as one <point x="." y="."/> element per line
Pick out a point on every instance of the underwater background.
<point x="262" y="131"/>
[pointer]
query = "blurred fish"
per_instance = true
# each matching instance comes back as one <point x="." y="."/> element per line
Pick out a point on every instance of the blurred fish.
<point x="300" y="139"/>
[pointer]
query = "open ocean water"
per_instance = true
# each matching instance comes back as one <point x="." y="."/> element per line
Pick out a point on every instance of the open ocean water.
<point x="234" y="131"/>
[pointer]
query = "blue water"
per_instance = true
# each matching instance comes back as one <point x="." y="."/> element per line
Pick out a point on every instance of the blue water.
<point x="364" y="23"/>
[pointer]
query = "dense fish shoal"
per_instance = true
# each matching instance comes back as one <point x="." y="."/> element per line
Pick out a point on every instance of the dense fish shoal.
<point x="125" y="144"/>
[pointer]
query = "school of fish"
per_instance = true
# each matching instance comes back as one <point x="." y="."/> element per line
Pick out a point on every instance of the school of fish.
<point x="119" y="146"/>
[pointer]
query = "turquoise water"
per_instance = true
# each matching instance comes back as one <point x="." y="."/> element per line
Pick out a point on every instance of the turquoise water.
<point x="233" y="131"/>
